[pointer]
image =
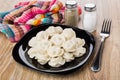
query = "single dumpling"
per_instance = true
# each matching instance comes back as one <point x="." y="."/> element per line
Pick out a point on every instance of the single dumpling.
<point x="33" y="42"/>
<point x="42" y="58"/>
<point x="43" y="45"/>
<point x="55" y="51"/>
<point x="68" y="57"/>
<point x="58" y="29"/>
<point x="56" y="62"/>
<point x="68" y="33"/>
<point x="70" y="45"/>
<point x="51" y="31"/>
<point x="32" y="52"/>
<point x="80" y="51"/>
<point x="57" y="40"/>
<point x="80" y="42"/>
<point x="42" y="35"/>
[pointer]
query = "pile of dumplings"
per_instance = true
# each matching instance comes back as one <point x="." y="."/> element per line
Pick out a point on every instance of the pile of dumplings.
<point x="56" y="46"/>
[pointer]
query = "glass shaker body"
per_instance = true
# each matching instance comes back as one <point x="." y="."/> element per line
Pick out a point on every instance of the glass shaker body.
<point x="71" y="14"/>
<point x="90" y="17"/>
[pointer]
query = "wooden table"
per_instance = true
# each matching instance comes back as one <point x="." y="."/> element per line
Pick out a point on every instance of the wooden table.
<point x="10" y="70"/>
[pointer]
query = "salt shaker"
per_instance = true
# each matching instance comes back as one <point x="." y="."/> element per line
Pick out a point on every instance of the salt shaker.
<point x="90" y="17"/>
<point x="71" y="13"/>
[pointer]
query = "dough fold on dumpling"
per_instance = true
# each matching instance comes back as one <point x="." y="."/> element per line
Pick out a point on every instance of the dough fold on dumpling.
<point x="68" y="57"/>
<point x="51" y="31"/>
<point x="32" y="52"/>
<point x="33" y="42"/>
<point x="56" y="62"/>
<point x="68" y="33"/>
<point x="80" y="42"/>
<point x="57" y="40"/>
<point x="79" y="52"/>
<point x="58" y="29"/>
<point x="43" y="45"/>
<point x="42" y="35"/>
<point x="42" y="58"/>
<point x="70" y="45"/>
<point x="55" y="51"/>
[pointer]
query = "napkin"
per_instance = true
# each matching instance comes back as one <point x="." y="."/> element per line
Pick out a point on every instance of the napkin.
<point x="26" y="15"/>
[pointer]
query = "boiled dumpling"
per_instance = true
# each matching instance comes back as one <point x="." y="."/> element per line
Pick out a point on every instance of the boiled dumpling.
<point x="58" y="29"/>
<point x="55" y="51"/>
<point x="79" y="52"/>
<point x="80" y="42"/>
<point x="42" y="35"/>
<point x="58" y="40"/>
<point x="32" y="52"/>
<point x="56" y="62"/>
<point x="70" y="45"/>
<point x="68" y="33"/>
<point x="68" y="57"/>
<point x="33" y="42"/>
<point x="43" y="45"/>
<point x="51" y="31"/>
<point x="42" y="58"/>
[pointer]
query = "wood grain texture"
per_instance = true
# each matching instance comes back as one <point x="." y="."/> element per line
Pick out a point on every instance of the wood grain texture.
<point x="10" y="70"/>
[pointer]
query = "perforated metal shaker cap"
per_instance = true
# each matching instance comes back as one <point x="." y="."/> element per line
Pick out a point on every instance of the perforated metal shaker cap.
<point x="71" y="4"/>
<point x="90" y="7"/>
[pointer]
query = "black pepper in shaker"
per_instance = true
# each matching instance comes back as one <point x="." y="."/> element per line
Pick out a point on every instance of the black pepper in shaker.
<point x="71" y="13"/>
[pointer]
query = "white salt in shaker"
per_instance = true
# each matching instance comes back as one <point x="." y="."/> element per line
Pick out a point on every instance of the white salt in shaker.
<point x="90" y="17"/>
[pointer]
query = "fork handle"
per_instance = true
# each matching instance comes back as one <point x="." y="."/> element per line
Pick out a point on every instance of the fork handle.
<point x="96" y="66"/>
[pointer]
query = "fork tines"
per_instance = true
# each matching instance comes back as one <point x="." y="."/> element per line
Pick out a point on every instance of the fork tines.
<point x="106" y="26"/>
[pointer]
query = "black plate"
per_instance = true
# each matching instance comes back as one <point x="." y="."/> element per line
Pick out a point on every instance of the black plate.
<point x="20" y="51"/>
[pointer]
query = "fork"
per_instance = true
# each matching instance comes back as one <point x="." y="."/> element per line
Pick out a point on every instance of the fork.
<point x="105" y="32"/>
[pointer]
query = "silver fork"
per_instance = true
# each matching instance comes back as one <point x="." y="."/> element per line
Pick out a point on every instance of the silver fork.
<point x="105" y="32"/>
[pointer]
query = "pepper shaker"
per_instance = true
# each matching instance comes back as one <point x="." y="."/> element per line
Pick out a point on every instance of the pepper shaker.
<point x="90" y="17"/>
<point x="71" y="13"/>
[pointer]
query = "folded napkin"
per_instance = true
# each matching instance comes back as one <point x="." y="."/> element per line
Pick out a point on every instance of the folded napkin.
<point x="14" y="32"/>
<point x="26" y="15"/>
